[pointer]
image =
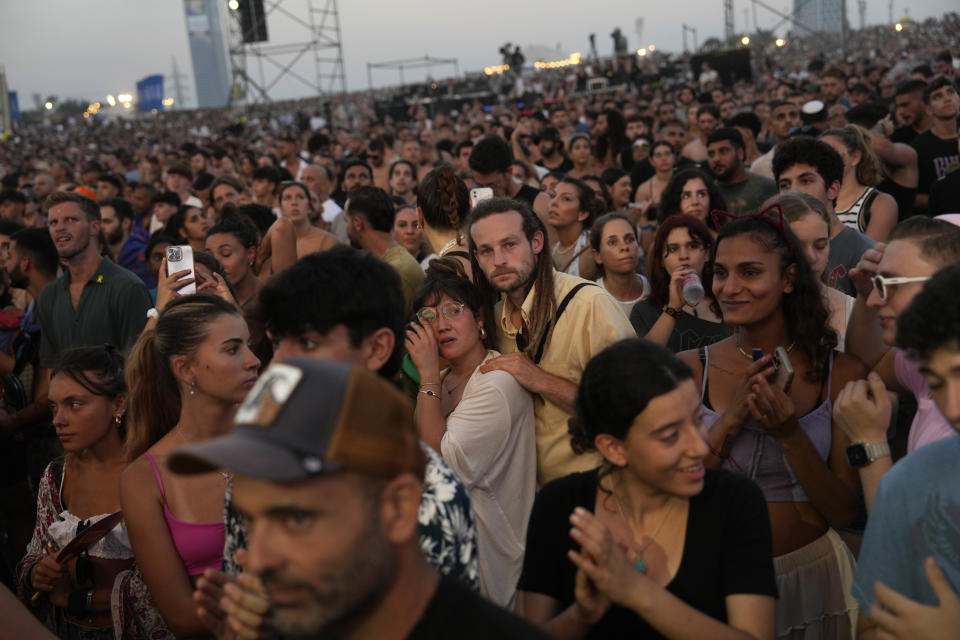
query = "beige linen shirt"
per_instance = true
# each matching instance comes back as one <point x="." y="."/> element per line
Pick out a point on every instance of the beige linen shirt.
<point x="591" y="322"/>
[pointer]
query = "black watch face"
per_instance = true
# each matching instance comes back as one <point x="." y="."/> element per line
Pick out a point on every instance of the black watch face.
<point x="857" y="455"/>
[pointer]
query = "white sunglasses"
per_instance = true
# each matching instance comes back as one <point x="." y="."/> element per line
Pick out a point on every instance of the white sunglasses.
<point x="881" y="283"/>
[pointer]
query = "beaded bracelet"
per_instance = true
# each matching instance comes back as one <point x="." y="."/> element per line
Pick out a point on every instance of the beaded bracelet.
<point x="670" y="311"/>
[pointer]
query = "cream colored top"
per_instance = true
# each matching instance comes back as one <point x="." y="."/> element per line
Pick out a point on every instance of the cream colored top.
<point x="489" y="443"/>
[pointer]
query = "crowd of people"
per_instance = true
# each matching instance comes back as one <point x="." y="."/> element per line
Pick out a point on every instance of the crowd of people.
<point x="675" y="360"/>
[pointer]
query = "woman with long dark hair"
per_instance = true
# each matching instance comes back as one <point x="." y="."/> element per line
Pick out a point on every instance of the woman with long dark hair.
<point x="693" y="192"/>
<point x="88" y="400"/>
<point x="651" y="544"/>
<point x="573" y="206"/>
<point x="296" y="206"/>
<point x="782" y="435"/>
<point x="481" y="423"/>
<point x="618" y="186"/>
<point x="187" y="375"/>
<point x="580" y="155"/>
<point x="189" y="224"/>
<point x="679" y="254"/>
<point x="612" y="143"/>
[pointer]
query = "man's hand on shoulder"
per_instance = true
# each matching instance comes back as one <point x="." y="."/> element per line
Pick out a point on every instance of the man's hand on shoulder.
<point x="527" y="374"/>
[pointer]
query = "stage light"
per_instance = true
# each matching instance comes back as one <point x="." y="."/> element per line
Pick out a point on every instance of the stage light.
<point x="780" y="42"/>
<point x="234" y="5"/>
<point x="111" y="101"/>
<point x="641" y="52"/>
<point x="651" y="48"/>
<point x="124" y="97"/>
<point x="745" y="40"/>
<point x="573" y="59"/>
<point x="48" y="105"/>
<point x="167" y="102"/>
<point x="898" y="27"/>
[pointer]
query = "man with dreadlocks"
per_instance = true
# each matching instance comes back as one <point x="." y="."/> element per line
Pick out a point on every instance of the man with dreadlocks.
<point x="550" y="323"/>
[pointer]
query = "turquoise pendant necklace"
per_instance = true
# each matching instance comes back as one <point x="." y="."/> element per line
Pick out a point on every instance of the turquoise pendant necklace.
<point x="640" y="565"/>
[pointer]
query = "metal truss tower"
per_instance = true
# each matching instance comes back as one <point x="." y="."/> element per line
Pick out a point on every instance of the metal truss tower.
<point x="316" y="25"/>
<point x="728" y="19"/>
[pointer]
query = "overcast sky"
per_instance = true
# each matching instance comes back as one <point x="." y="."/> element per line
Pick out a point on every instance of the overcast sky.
<point x="88" y="49"/>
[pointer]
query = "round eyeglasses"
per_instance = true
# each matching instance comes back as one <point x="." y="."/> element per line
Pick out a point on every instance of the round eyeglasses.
<point x="450" y="311"/>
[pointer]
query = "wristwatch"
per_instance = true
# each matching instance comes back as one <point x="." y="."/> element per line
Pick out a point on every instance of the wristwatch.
<point x="860" y="454"/>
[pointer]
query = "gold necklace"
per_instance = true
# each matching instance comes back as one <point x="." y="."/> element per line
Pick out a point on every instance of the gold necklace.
<point x="747" y="355"/>
<point x="640" y="565"/>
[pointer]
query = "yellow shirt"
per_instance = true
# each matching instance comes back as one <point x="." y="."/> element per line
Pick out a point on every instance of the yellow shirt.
<point x="591" y="322"/>
<point x="411" y="274"/>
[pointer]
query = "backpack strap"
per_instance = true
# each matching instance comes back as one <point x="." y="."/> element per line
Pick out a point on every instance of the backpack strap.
<point x="560" y="309"/>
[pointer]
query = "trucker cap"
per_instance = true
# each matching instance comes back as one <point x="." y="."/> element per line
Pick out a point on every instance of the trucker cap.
<point x="308" y="417"/>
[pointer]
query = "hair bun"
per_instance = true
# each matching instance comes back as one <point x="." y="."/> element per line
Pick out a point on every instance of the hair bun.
<point x="440" y="267"/>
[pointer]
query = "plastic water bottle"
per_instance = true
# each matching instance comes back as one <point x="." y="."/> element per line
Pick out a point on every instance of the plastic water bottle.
<point x="692" y="289"/>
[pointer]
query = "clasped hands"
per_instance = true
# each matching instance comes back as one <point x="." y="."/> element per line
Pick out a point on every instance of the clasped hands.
<point x="233" y="607"/>
<point x="769" y="405"/>
<point x="606" y="572"/>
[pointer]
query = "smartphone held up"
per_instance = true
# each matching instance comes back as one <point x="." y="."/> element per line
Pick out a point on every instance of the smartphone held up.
<point x="180" y="258"/>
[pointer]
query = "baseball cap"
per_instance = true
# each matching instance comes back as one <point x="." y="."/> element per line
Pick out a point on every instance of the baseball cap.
<point x="305" y="418"/>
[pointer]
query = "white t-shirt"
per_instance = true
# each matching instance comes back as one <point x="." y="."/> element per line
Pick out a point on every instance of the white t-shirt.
<point x="628" y="305"/>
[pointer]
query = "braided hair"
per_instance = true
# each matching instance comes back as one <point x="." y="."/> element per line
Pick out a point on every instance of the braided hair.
<point x="444" y="200"/>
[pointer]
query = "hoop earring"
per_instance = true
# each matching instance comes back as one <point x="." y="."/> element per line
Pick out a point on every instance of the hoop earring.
<point x="483" y="333"/>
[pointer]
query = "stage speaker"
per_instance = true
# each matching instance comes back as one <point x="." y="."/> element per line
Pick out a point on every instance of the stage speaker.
<point x="253" y="22"/>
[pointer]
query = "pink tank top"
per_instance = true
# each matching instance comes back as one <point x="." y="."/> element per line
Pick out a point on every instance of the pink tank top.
<point x="199" y="544"/>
